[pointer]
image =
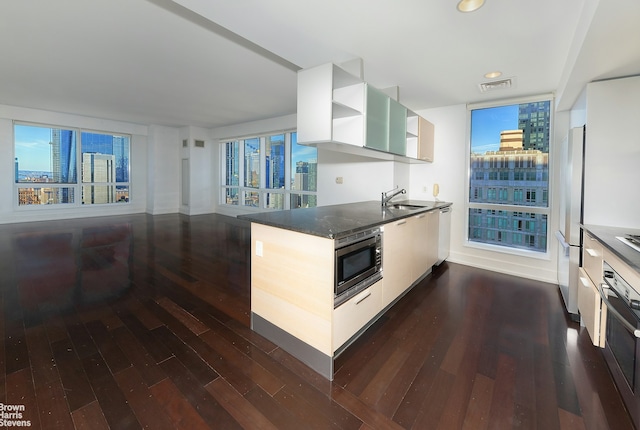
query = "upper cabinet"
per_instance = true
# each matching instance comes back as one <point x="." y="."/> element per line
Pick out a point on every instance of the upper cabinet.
<point x="376" y="120"/>
<point x="339" y="111"/>
<point x="420" y="138"/>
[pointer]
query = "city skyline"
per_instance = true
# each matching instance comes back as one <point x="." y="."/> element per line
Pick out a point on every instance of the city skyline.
<point x="37" y="150"/>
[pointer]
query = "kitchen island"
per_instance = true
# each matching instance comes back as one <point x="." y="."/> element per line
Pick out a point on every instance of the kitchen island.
<point x="293" y="272"/>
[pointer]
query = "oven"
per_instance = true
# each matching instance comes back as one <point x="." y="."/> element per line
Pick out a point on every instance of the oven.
<point x="622" y="341"/>
<point x="358" y="263"/>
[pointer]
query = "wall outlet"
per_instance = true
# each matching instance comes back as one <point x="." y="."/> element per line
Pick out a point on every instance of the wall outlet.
<point x="339" y="180"/>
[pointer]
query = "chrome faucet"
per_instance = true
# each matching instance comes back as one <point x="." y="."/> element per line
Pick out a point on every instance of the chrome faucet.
<point x="391" y="194"/>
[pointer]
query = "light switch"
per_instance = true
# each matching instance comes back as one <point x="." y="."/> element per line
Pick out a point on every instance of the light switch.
<point x="339" y="180"/>
<point x="259" y="248"/>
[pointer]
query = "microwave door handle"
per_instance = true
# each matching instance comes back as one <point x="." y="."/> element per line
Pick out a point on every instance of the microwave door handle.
<point x="615" y="313"/>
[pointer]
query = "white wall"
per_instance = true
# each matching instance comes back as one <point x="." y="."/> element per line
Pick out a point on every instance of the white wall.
<point x="201" y="171"/>
<point x="163" y="174"/>
<point x="363" y="178"/>
<point x="9" y="210"/>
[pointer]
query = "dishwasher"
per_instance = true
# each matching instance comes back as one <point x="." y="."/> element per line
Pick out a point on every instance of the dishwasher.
<point x="444" y="234"/>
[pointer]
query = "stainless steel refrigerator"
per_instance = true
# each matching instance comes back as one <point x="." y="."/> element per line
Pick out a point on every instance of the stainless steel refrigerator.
<point x="571" y="215"/>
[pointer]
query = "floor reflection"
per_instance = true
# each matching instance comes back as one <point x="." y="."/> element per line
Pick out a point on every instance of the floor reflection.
<point x="72" y="267"/>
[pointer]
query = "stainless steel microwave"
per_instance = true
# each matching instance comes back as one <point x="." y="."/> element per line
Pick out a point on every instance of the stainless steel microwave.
<point x="358" y="263"/>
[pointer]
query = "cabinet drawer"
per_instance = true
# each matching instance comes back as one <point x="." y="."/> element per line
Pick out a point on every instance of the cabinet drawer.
<point x="589" y="307"/>
<point x="355" y="313"/>
<point x="592" y="253"/>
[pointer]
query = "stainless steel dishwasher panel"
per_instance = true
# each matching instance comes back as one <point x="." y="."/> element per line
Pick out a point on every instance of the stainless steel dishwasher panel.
<point x="444" y="234"/>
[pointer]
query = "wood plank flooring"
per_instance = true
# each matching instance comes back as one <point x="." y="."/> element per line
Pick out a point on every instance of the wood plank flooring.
<point x="143" y="322"/>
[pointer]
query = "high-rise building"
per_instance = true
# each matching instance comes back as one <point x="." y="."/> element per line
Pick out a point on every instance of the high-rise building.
<point x="515" y="175"/>
<point x="98" y="169"/>
<point x="63" y="160"/>
<point x="534" y="119"/>
<point x="118" y="146"/>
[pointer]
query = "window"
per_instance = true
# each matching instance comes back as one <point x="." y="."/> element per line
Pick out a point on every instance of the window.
<point x="64" y="166"/>
<point x="513" y="141"/>
<point x="260" y="181"/>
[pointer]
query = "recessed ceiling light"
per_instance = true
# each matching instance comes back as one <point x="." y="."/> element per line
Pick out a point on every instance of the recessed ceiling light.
<point x="469" y="5"/>
<point x="492" y="75"/>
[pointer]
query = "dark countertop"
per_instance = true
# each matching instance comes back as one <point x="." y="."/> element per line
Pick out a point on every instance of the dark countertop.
<point x="337" y="221"/>
<point x="607" y="237"/>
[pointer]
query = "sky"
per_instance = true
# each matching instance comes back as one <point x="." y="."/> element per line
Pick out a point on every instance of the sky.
<point x="486" y="125"/>
<point x="32" y="143"/>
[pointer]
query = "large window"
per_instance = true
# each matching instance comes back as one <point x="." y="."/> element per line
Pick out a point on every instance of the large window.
<point x="269" y="172"/>
<point x="64" y="166"/>
<point x="509" y="175"/>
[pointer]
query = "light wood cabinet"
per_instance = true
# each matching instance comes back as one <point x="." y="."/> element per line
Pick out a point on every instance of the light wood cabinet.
<point x="592" y="257"/>
<point x="292" y="286"/>
<point x="410" y="249"/>
<point x="397" y="258"/>
<point x="292" y="277"/>
<point x="589" y="304"/>
<point x="354" y="314"/>
<point x="420" y="138"/>
<point x="419" y="245"/>
<point x="424" y="243"/>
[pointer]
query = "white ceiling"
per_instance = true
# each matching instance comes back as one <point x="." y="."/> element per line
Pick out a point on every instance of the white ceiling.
<point x="210" y="63"/>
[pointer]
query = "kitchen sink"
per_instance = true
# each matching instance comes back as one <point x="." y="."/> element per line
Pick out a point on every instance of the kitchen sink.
<point x="401" y="206"/>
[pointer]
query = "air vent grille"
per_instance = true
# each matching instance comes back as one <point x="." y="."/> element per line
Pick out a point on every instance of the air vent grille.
<point x="199" y="143"/>
<point x="496" y="85"/>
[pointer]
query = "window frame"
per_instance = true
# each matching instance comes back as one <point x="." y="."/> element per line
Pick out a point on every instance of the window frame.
<point x="79" y="184"/>
<point x="262" y="189"/>
<point x="502" y="248"/>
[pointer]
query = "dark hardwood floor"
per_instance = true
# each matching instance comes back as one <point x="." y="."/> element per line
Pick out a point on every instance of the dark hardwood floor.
<point x="143" y="322"/>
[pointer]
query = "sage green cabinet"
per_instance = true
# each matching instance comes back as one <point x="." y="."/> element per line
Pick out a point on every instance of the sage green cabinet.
<point x="377" y="120"/>
<point x="397" y="128"/>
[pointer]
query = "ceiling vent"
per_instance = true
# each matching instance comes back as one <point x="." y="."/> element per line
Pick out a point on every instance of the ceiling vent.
<point x="496" y="85"/>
